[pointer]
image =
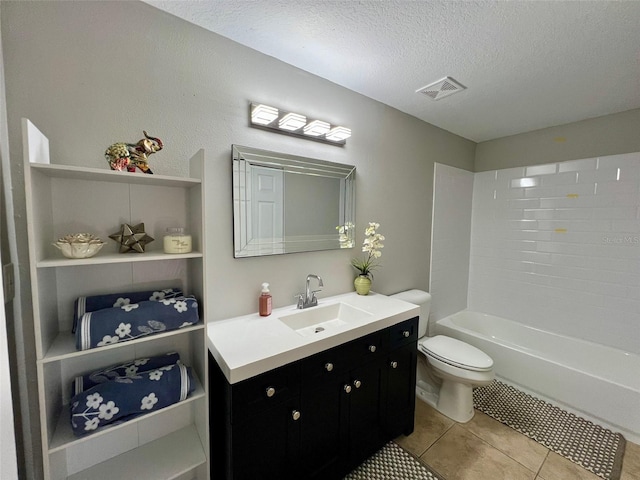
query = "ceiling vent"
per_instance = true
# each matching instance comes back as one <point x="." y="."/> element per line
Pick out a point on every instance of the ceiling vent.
<point x="442" y="88"/>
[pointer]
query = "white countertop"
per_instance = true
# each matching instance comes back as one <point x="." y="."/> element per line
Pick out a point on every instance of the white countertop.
<point x="250" y="345"/>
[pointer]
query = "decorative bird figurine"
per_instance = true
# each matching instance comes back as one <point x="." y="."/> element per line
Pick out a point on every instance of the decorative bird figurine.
<point x="129" y="156"/>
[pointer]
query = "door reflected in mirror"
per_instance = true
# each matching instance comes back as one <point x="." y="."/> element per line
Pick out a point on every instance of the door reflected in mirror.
<point x="285" y="203"/>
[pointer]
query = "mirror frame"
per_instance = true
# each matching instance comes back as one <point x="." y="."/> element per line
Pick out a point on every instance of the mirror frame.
<point x="245" y="157"/>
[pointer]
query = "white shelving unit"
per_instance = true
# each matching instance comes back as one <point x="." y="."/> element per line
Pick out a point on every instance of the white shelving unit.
<point x="171" y="443"/>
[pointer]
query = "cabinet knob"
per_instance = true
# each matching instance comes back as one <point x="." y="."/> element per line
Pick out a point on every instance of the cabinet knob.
<point x="357" y="383"/>
<point x="372" y="348"/>
<point x="406" y="334"/>
<point x="270" y="391"/>
<point x="394" y="364"/>
<point x="295" y="414"/>
<point x="347" y="388"/>
<point x="328" y="367"/>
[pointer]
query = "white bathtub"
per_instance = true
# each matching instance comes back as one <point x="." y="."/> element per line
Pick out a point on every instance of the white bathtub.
<point x="597" y="382"/>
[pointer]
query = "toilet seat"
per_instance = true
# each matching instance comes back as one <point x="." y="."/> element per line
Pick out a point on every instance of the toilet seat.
<point x="456" y="353"/>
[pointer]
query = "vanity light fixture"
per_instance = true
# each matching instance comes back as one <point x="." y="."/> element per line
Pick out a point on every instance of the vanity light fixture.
<point x="263" y="114"/>
<point x="270" y="118"/>
<point x="316" y="128"/>
<point x="292" y="122"/>
<point x="337" y="134"/>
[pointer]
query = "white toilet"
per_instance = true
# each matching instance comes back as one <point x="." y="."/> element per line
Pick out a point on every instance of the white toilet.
<point x="449" y="368"/>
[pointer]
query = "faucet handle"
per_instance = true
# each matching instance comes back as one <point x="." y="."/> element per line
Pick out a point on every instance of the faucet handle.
<point x="313" y="301"/>
<point x="300" y="298"/>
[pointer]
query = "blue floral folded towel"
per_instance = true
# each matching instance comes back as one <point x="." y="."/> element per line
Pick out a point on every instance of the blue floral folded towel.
<point x="125" y="397"/>
<point x="128" y="369"/>
<point x="133" y="320"/>
<point x="83" y="305"/>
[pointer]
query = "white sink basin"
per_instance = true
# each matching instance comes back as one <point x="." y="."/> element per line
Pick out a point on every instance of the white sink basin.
<point x="317" y="320"/>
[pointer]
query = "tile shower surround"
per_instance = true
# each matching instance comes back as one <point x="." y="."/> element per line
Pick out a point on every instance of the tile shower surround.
<point x="557" y="247"/>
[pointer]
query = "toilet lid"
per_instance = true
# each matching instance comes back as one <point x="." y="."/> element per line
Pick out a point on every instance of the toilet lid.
<point x="456" y="353"/>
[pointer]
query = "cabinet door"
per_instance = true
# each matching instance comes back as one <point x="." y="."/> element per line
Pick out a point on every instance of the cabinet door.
<point x="265" y="445"/>
<point x="366" y="434"/>
<point x="322" y="432"/>
<point x="400" y="390"/>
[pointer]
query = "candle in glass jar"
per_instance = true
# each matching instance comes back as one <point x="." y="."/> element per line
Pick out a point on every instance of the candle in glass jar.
<point x="176" y="241"/>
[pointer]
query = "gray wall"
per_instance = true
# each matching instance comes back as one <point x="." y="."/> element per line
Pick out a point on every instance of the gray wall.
<point x="92" y="73"/>
<point x="606" y="135"/>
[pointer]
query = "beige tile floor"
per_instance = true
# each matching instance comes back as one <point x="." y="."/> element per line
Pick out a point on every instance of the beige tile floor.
<point x="485" y="449"/>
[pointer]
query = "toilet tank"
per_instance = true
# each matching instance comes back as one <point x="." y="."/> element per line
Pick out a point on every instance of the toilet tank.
<point x="423" y="300"/>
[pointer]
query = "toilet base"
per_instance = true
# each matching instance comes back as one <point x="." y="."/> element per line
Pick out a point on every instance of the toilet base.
<point x="456" y="401"/>
<point x="427" y="393"/>
<point x="453" y="399"/>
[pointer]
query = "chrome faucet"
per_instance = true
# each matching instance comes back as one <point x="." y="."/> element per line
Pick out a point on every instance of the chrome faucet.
<point x="309" y="299"/>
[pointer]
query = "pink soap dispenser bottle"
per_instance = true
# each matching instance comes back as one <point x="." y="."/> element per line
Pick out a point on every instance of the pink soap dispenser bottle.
<point x="265" y="301"/>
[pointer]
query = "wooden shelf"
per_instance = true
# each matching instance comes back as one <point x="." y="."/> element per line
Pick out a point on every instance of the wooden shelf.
<point x="96" y="174"/>
<point x="64" y="346"/>
<point x="168" y="458"/>
<point x="111" y="258"/>
<point x="63" y="436"/>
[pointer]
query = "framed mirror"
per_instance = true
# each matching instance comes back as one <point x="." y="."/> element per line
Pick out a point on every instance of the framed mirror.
<point x="285" y="204"/>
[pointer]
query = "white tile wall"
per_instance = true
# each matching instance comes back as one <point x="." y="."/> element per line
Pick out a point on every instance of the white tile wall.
<point x="558" y="247"/>
<point x="450" y="242"/>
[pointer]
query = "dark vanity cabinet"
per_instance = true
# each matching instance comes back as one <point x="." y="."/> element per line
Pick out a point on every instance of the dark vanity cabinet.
<point x="319" y="417"/>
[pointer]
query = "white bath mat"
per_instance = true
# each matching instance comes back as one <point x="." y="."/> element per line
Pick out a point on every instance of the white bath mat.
<point x="592" y="447"/>
<point x="391" y="462"/>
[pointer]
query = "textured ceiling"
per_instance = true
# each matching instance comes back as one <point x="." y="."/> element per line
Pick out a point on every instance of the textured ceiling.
<point x="526" y="64"/>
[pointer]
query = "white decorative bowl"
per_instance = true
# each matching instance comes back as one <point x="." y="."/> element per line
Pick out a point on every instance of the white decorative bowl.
<point x="79" y="245"/>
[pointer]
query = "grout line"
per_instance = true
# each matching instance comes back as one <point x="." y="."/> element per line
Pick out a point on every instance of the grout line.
<point x="419" y="460"/>
<point x="431" y="467"/>
<point x="499" y="449"/>
<point x="543" y="462"/>
<point x="502" y="451"/>
<point x="438" y="439"/>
